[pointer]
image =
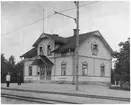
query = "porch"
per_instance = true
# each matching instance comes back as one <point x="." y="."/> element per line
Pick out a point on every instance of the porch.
<point x="44" y="67"/>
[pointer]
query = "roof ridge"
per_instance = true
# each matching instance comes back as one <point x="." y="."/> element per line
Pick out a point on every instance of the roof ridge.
<point x="84" y="33"/>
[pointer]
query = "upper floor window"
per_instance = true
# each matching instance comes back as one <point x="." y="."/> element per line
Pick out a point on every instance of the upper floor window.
<point x="30" y="70"/>
<point x="63" y="54"/>
<point x="84" y="68"/>
<point x="63" y="68"/>
<point x="94" y="48"/>
<point x="49" y="47"/>
<point x="41" y="50"/>
<point x="102" y="67"/>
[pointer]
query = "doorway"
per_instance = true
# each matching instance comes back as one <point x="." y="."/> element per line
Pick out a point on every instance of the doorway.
<point x="42" y="73"/>
<point x="45" y="73"/>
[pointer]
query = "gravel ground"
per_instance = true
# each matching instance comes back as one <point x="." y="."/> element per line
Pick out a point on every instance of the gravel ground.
<point x="15" y="101"/>
<point x="69" y="88"/>
<point x="80" y="100"/>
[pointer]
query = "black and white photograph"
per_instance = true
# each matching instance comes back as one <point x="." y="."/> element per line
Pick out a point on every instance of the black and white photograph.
<point x="65" y="52"/>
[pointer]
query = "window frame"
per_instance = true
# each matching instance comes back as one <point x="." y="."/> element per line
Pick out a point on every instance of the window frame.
<point x="93" y="49"/>
<point x="84" y="70"/>
<point x="102" y="69"/>
<point x="41" y="51"/>
<point x="49" y="49"/>
<point x="63" y="68"/>
<point x="30" y="70"/>
<point x="63" y="53"/>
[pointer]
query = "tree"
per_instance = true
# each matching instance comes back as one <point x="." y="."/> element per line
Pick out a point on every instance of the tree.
<point x="10" y="66"/>
<point x="4" y="67"/>
<point x="12" y="60"/>
<point x="19" y="68"/>
<point x="122" y="63"/>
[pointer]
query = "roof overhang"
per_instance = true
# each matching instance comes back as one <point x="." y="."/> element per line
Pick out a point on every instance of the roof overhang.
<point x="42" y="60"/>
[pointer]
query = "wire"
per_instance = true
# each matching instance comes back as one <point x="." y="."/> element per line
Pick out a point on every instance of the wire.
<point x="79" y="6"/>
<point x="28" y="25"/>
<point x="46" y="18"/>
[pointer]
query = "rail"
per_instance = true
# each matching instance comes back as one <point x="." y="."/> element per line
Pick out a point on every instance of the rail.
<point x="34" y="99"/>
<point x="73" y="94"/>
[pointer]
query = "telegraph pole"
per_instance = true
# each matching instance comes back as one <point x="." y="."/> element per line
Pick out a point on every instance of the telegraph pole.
<point x="77" y="46"/>
<point x="77" y="42"/>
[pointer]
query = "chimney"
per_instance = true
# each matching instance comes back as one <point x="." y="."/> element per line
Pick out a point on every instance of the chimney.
<point x="75" y="32"/>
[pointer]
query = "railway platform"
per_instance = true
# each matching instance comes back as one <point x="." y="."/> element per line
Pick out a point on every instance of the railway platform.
<point x="61" y="91"/>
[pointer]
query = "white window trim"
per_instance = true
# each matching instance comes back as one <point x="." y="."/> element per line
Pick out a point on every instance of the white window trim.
<point x="62" y="71"/>
<point x="84" y="73"/>
<point x="101" y="69"/>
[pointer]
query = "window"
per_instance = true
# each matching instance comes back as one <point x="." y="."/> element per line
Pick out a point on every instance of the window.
<point x="94" y="48"/>
<point x="102" y="70"/>
<point x="63" y="54"/>
<point x="49" y="49"/>
<point x="84" y="68"/>
<point x="30" y="70"/>
<point x="41" y="51"/>
<point x="63" y="68"/>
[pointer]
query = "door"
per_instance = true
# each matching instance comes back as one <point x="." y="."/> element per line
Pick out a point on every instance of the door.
<point x="48" y="74"/>
<point x="42" y="73"/>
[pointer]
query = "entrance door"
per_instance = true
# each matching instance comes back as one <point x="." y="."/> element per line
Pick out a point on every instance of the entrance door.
<point x="42" y="73"/>
<point x="48" y="74"/>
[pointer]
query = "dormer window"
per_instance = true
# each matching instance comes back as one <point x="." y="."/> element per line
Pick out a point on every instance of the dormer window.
<point x="49" y="49"/>
<point x="63" y="54"/>
<point x="94" y="48"/>
<point x="41" y="50"/>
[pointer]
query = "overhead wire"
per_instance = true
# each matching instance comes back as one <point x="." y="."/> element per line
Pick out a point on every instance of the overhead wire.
<point x="46" y="18"/>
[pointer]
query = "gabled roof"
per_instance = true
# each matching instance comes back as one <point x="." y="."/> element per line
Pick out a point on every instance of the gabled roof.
<point x="31" y="53"/>
<point x="66" y="43"/>
<point x="42" y="59"/>
<point x="55" y="37"/>
<point x="71" y="44"/>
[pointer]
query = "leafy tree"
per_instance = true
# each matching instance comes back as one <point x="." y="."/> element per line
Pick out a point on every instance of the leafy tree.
<point x="122" y="64"/>
<point x="19" y="68"/>
<point x="4" y="67"/>
<point x="12" y="60"/>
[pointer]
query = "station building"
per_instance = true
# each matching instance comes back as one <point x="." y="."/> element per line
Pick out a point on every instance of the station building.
<point x="52" y="58"/>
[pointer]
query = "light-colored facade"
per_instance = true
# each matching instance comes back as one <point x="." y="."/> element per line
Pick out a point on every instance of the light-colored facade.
<point x="95" y="60"/>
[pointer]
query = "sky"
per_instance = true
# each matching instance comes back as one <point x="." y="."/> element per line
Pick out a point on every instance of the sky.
<point x="111" y="18"/>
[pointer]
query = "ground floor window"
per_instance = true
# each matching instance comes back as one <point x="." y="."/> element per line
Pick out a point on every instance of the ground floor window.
<point x="84" y="68"/>
<point x="63" y="68"/>
<point x="30" y="70"/>
<point x="102" y="67"/>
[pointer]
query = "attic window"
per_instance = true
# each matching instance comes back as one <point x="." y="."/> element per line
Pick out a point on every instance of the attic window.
<point x="94" y="48"/>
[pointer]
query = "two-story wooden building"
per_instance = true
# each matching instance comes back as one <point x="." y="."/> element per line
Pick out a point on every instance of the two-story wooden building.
<point x="52" y="58"/>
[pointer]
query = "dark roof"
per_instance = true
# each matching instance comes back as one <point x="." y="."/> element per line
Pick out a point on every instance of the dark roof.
<point x="31" y="53"/>
<point x="71" y="43"/>
<point x="66" y="43"/>
<point x="55" y="37"/>
<point x="43" y="60"/>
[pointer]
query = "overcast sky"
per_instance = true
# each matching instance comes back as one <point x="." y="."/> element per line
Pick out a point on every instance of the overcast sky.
<point x="109" y="17"/>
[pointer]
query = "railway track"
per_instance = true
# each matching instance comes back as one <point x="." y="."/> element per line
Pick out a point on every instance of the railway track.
<point x="34" y="99"/>
<point x="73" y="94"/>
